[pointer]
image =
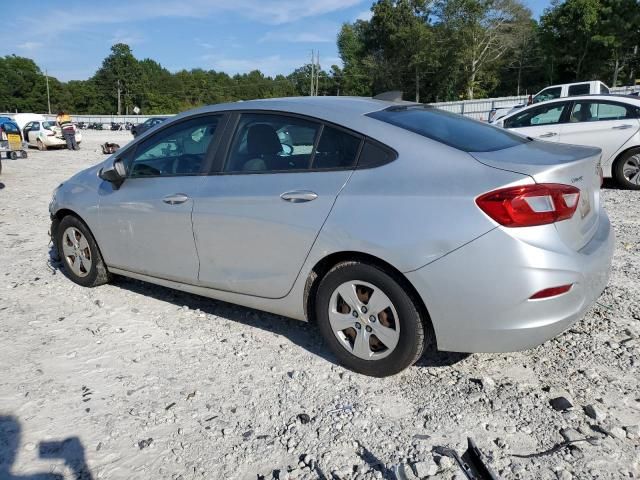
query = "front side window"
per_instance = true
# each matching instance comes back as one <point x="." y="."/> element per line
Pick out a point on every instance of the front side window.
<point x="272" y="143"/>
<point x="449" y="128"/>
<point x="594" y="112"/>
<point x="548" y="94"/>
<point x="177" y="150"/>
<point x="10" y="127"/>
<point x="542" y="115"/>
<point x="580" y="89"/>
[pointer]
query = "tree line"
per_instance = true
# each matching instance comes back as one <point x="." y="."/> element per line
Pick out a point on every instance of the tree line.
<point x="432" y="50"/>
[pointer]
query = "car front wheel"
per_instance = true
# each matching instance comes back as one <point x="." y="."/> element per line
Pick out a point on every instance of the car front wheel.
<point x="79" y="253"/>
<point x="369" y="320"/>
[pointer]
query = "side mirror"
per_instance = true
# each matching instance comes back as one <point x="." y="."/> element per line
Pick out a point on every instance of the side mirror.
<point x="114" y="174"/>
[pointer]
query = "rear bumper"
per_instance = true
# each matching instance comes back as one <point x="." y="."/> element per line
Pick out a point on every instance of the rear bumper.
<point x="478" y="296"/>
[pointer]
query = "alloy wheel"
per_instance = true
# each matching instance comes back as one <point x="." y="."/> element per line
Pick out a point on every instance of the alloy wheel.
<point x="76" y="252"/>
<point x="631" y="169"/>
<point x="364" y="320"/>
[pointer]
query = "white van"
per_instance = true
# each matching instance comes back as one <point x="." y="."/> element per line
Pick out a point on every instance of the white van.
<point x="23" y="118"/>
<point x="593" y="87"/>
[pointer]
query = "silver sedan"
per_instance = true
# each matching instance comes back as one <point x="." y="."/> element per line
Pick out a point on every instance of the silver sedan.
<point x="398" y="228"/>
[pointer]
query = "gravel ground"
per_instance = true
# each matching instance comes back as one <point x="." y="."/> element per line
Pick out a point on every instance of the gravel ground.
<point x="130" y="380"/>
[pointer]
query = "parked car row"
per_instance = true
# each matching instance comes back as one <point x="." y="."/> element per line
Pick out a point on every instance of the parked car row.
<point x="550" y="93"/>
<point x="608" y="122"/>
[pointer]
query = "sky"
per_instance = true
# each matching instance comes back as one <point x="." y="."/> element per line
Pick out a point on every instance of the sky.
<point x="70" y="38"/>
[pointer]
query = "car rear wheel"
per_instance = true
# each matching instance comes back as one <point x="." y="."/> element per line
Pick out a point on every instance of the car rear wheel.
<point x="79" y="253"/>
<point x="626" y="170"/>
<point x="368" y="319"/>
<point x="41" y="146"/>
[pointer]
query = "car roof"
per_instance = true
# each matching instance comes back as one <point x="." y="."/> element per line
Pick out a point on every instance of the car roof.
<point x="341" y="110"/>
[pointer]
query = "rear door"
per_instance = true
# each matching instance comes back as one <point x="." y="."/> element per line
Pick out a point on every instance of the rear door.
<point x="258" y="214"/>
<point x="600" y="123"/>
<point x="541" y="122"/>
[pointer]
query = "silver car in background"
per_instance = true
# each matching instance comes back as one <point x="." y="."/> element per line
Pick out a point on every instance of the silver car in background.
<point x="394" y="226"/>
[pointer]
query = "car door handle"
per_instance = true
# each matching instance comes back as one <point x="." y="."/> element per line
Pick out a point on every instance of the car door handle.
<point x="622" y="127"/>
<point x="548" y="134"/>
<point x="299" y="196"/>
<point x="175" y="199"/>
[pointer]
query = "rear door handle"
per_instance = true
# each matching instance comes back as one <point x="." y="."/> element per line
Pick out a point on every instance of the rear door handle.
<point x="299" y="196"/>
<point x="548" y="134"/>
<point x="175" y="199"/>
<point x="622" y="127"/>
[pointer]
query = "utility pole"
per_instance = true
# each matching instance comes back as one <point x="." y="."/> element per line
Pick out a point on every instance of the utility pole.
<point x="313" y="73"/>
<point x="417" y="86"/>
<point x="118" y="96"/>
<point x="317" y="71"/>
<point x="46" y="76"/>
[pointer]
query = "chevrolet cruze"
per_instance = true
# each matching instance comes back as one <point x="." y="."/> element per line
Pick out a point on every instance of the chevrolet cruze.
<point x="392" y="225"/>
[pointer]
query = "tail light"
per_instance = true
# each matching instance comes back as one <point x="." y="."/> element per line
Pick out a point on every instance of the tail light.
<point x="530" y="205"/>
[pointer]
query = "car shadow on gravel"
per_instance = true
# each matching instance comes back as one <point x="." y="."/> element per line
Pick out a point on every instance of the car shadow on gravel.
<point x="303" y="334"/>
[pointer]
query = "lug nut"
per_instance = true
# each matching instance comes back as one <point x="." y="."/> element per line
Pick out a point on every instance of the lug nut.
<point x="354" y="313"/>
<point x="372" y="319"/>
<point x="368" y="328"/>
<point x="358" y="326"/>
<point x="364" y="309"/>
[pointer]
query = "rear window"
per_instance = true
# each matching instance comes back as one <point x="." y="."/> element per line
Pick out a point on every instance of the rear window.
<point x="580" y="89"/>
<point x="448" y="128"/>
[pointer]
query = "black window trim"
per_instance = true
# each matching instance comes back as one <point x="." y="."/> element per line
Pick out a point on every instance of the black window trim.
<point x="209" y="155"/>
<point x="222" y="155"/>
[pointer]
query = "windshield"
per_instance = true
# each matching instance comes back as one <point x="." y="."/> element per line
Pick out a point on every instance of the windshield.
<point x="449" y="128"/>
<point x="10" y="127"/>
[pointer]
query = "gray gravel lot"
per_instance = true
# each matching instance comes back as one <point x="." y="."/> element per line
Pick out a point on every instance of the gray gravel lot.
<point x="130" y="380"/>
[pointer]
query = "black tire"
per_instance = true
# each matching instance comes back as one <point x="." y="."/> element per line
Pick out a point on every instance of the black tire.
<point x="97" y="274"/>
<point x="412" y="330"/>
<point x="619" y="167"/>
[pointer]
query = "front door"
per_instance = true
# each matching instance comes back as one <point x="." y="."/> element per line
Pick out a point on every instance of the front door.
<point x="257" y="219"/>
<point x="604" y="124"/>
<point x="145" y="225"/>
<point x="541" y="122"/>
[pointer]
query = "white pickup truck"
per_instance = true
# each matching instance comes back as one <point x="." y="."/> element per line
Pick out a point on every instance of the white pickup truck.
<point x="555" y="91"/>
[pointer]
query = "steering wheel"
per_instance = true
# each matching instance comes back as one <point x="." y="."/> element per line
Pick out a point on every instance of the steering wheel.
<point x="186" y="163"/>
<point x="286" y="150"/>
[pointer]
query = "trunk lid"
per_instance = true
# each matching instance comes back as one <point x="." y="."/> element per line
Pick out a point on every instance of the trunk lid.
<point x="557" y="163"/>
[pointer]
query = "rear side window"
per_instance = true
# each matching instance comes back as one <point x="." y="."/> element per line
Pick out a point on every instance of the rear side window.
<point x="594" y="112"/>
<point x="604" y="88"/>
<point x="548" y="94"/>
<point x="266" y="142"/>
<point x="580" y="89"/>
<point x="448" y="128"/>
<point x="375" y="155"/>
<point x="336" y="149"/>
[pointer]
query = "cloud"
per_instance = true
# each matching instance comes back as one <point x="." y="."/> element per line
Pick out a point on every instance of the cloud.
<point x="271" y="65"/>
<point x="271" y="12"/>
<point x="299" y="37"/>
<point x="29" y="46"/>
<point x="365" y="16"/>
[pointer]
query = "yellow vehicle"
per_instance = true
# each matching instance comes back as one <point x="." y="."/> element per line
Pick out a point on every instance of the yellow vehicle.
<point x="11" y="141"/>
